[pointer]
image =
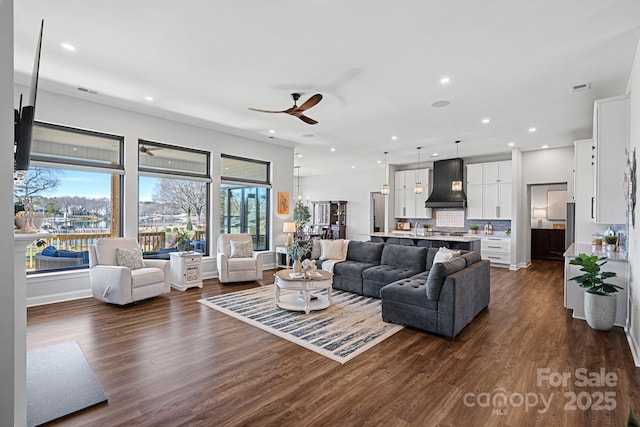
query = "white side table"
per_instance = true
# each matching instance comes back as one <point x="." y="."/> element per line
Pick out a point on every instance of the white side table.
<point x="186" y="270"/>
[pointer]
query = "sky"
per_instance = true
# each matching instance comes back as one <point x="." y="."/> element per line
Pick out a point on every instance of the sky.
<point x="95" y="185"/>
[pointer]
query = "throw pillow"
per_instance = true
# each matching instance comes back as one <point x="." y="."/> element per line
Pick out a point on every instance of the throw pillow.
<point x="130" y="258"/>
<point x="50" y="251"/>
<point x="445" y="254"/>
<point x="331" y="249"/>
<point x="241" y="249"/>
<point x="315" y="249"/>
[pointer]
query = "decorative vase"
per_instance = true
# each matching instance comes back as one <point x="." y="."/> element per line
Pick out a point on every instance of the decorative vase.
<point x="600" y="310"/>
<point x="181" y="247"/>
<point x="297" y="266"/>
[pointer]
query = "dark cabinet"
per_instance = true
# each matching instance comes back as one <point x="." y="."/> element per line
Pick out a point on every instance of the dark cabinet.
<point x="547" y="243"/>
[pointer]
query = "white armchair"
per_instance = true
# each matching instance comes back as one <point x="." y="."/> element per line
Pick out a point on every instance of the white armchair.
<point x="236" y="260"/>
<point x="115" y="282"/>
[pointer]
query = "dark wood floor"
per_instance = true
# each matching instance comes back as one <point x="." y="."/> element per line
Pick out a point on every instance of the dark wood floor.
<point x="172" y="361"/>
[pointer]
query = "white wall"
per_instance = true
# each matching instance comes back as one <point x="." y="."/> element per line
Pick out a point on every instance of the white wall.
<point x="8" y="309"/>
<point x="79" y="113"/>
<point x="353" y="186"/>
<point x="633" y="331"/>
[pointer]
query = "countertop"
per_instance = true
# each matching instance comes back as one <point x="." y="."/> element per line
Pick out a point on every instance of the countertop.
<point x="409" y="235"/>
<point x="585" y="248"/>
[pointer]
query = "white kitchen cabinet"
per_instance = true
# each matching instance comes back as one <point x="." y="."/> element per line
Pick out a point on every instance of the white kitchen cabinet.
<point x="611" y="137"/>
<point x="583" y="171"/>
<point x="490" y="199"/>
<point x="497" y="250"/>
<point x="408" y="204"/>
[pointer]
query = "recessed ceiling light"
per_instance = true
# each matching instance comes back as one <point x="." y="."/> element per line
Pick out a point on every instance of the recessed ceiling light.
<point x="333" y="150"/>
<point x="148" y="98"/>
<point x="444" y="80"/>
<point x="486" y="120"/>
<point x="435" y="155"/>
<point x="393" y="138"/>
<point x="299" y="155"/>
<point x="353" y="167"/>
<point x="511" y="144"/>
<point x="532" y="130"/>
<point x="379" y="162"/>
<point x="272" y="131"/>
<point x="441" y="104"/>
<point x="307" y="135"/>
<point x="544" y="147"/>
<point x="67" y="46"/>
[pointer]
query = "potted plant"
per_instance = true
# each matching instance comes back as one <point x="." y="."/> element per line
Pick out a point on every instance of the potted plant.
<point x="611" y="241"/>
<point x="182" y="239"/>
<point x="297" y="252"/>
<point x="473" y="229"/>
<point x="300" y="216"/>
<point x="599" y="298"/>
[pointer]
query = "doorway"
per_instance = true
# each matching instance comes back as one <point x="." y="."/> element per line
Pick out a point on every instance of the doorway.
<point x="378" y="218"/>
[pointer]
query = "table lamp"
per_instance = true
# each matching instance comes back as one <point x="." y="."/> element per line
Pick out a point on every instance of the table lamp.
<point x="290" y="228"/>
<point x="539" y="213"/>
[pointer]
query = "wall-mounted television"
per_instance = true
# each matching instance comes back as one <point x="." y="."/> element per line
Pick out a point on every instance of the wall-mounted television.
<point x="23" y="121"/>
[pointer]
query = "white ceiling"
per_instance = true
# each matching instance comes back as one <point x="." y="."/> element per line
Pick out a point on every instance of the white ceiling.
<point x="377" y="63"/>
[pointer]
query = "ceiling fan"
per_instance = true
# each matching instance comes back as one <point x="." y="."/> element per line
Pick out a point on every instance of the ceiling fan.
<point x="148" y="150"/>
<point x="296" y="110"/>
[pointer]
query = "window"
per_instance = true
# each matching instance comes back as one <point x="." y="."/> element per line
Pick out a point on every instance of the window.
<point x="173" y="197"/>
<point x="74" y="185"/>
<point x="245" y="199"/>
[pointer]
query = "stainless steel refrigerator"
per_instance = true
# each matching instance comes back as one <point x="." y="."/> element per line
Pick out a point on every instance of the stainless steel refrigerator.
<point x="570" y="227"/>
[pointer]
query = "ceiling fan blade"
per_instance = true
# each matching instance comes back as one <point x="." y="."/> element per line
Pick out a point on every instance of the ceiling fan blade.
<point x="268" y="111"/>
<point x="310" y="102"/>
<point x="306" y="119"/>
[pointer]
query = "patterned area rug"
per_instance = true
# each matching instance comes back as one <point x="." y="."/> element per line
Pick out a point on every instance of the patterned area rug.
<point x="351" y="325"/>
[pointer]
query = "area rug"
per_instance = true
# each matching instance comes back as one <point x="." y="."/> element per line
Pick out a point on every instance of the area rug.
<point x="350" y="326"/>
<point x="59" y="382"/>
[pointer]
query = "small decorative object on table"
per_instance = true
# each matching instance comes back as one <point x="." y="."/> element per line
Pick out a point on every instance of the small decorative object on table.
<point x="297" y="251"/>
<point x="182" y="239"/>
<point x="474" y="228"/>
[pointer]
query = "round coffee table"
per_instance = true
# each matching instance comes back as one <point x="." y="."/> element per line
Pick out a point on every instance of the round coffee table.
<point x="303" y="299"/>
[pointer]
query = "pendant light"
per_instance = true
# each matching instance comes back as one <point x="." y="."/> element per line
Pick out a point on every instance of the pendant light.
<point x="456" y="185"/>
<point x="417" y="188"/>
<point x="385" y="187"/>
<point x="297" y="177"/>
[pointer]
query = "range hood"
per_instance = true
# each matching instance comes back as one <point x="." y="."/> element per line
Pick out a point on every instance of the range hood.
<point x="443" y="196"/>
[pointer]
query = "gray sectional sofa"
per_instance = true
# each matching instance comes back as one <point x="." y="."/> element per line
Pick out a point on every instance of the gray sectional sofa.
<point x="441" y="298"/>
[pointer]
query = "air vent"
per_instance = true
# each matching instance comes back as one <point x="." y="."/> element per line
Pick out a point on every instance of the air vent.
<point x="84" y="89"/>
<point x="581" y="87"/>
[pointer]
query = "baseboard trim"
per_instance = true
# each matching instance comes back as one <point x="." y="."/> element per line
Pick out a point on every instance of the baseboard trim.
<point x="633" y="346"/>
<point x="59" y="297"/>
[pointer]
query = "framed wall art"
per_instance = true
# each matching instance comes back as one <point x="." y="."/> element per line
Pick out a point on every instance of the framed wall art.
<point x="283" y="203"/>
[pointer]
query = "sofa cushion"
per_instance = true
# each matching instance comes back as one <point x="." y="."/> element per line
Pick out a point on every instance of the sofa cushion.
<point x="471" y="257"/>
<point x="69" y="254"/>
<point x="409" y="291"/>
<point x="366" y="252"/>
<point x="146" y="276"/>
<point x="50" y="251"/>
<point x="387" y="274"/>
<point x="241" y="264"/>
<point x="351" y="268"/>
<point x="106" y="248"/>
<point x="439" y="273"/>
<point x="130" y="258"/>
<point x="332" y="249"/>
<point x="404" y="257"/>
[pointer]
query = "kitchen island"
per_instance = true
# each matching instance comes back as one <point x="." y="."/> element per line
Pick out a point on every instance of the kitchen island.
<point x="435" y="240"/>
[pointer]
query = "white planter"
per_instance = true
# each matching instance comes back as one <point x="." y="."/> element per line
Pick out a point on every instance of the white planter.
<point x="600" y="310"/>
